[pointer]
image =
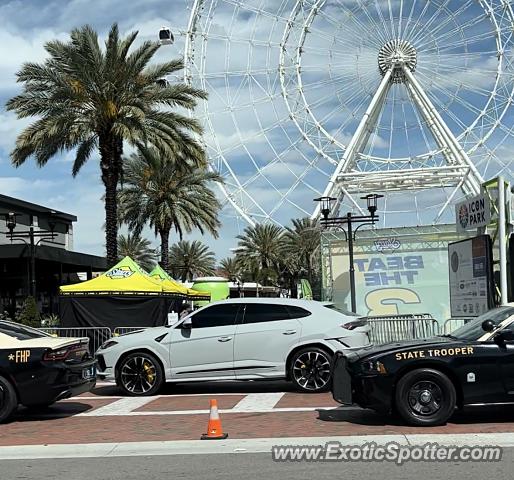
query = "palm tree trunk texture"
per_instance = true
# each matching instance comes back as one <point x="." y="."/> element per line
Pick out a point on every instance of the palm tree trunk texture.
<point x="110" y="155"/>
<point x="165" y="246"/>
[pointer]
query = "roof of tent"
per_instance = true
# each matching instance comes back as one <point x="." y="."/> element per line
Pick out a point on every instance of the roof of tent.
<point x="126" y="277"/>
<point x="159" y="274"/>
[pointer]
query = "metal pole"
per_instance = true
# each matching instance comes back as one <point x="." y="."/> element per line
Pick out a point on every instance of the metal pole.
<point x="503" y="241"/>
<point x="352" y="268"/>
<point x="32" y="262"/>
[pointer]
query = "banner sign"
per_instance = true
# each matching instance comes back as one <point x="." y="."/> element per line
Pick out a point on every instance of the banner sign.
<point x="394" y="275"/>
<point x="470" y="276"/>
<point x="473" y="213"/>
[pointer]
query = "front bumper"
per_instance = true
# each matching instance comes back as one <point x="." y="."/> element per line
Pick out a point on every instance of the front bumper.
<point x="367" y="391"/>
<point x="104" y="372"/>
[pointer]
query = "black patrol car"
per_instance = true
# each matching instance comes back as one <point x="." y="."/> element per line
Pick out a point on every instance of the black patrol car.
<point x="424" y="380"/>
<point x="37" y="369"/>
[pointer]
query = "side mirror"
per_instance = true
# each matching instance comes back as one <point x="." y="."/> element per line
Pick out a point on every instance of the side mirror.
<point x="505" y="336"/>
<point x="187" y="324"/>
<point x="488" y="325"/>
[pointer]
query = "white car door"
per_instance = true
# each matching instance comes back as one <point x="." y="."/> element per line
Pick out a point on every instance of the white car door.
<point x="206" y="349"/>
<point x="263" y="340"/>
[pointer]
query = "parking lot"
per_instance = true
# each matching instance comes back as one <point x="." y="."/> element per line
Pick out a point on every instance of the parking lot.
<point x="249" y="410"/>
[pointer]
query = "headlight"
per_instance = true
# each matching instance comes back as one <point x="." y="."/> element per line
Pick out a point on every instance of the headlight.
<point x="373" y="366"/>
<point x="107" y="344"/>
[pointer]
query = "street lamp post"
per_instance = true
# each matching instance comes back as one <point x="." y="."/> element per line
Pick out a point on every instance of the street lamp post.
<point x="30" y="235"/>
<point x="349" y="220"/>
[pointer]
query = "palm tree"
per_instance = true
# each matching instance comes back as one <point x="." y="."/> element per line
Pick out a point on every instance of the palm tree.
<point x="260" y="249"/>
<point x="303" y="241"/>
<point x="137" y="248"/>
<point x="230" y="268"/>
<point x="168" y="194"/>
<point x="191" y="259"/>
<point x="90" y="98"/>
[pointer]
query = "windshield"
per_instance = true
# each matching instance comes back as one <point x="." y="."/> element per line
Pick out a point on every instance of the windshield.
<point x="333" y="306"/>
<point x="473" y="330"/>
<point x="20" y="332"/>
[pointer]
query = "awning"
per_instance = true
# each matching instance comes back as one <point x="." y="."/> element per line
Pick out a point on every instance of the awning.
<point x="161" y="275"/>
<point x="125" y="278"/>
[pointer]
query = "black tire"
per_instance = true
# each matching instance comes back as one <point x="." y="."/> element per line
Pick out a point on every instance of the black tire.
<point x="8" y="399"/>
<point x="425" y="397"/>
<point x="309" y="370"/>
<point x="139" y="374"/>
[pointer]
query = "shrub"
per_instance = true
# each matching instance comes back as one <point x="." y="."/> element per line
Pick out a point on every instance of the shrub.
<point x="29" y="314"/>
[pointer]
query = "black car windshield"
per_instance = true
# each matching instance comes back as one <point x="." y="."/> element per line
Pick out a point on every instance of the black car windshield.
<point x="473" y="330"/>
<point x="20" y="332"/>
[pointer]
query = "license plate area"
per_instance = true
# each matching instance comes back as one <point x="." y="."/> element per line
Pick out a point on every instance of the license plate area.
<point x="88" y="373"/>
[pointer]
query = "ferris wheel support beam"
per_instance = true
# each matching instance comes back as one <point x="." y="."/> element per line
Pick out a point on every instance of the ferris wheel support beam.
<point x="357" y="142"/>
<point x="475" y="180"/>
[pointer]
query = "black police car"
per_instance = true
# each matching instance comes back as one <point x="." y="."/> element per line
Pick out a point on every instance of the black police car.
<point x="424" y="380"/>
<point x="37" y="369"/>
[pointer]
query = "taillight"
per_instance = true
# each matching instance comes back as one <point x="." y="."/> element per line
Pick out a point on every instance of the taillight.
<point x="354" y="324"/>
<point x="73" y="351"/>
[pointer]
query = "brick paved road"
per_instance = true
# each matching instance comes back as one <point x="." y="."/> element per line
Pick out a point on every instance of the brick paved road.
<point x="249" y="410"/>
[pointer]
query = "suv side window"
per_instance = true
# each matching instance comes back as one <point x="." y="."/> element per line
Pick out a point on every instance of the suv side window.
<point x="297" y="312"/>
<point x="265" y="312"/>
<point x="215" y="316"/>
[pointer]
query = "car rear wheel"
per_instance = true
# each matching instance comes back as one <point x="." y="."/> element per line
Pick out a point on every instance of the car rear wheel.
<point x="8" y="399"/>
<point x="310" y="370"/>
<point x="425" y="397"/>
<point x="140" y="374"/>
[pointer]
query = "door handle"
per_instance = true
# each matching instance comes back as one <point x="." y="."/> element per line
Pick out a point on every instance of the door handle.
<point x="289" y="332"/>
<point x="224" y="339"/>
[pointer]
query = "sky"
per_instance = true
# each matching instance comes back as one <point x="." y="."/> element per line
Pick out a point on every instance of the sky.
<point x="275" y="166"/>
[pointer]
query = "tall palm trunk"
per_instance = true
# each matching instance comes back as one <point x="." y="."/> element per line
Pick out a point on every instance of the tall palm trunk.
<point x="165" y="247"/>
<point x="110" y="154"/>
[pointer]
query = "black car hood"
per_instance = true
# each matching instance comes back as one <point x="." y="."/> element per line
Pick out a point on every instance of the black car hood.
<point x="406" y="345"/>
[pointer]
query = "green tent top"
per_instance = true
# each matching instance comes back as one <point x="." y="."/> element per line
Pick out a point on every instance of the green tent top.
<point x="161" y="275"/>
<point x="126" y="277"/>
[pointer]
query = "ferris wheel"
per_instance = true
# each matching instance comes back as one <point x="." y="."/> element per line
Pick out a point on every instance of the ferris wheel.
<point x="411" y="99"/>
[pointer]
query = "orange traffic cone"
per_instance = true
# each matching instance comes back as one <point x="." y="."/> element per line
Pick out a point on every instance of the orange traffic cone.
<point x="214" y="430"/>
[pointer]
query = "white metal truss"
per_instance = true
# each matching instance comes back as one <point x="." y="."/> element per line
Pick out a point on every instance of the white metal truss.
<point x="397" y="61"/>
<point x="347" y="97"/>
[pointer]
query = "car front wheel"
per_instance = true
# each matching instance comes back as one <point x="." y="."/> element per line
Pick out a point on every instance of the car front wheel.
<point x="310" y="370"/>
<point x="139" y="374"/>
<point x="425" y="397"/>
<point x="8" y="399"/>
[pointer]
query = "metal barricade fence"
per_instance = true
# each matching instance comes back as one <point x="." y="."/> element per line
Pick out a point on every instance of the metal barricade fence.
<point x="96" y="335"/>
<point x="393" y="328"/>
<point x="122" y="330"/>
<point x="453" y="323"/>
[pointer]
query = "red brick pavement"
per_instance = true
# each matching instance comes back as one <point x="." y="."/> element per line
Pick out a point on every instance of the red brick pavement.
<point x="165" y="404"/>
<point x="75" y="429"/>
<point x="292" y="400"/>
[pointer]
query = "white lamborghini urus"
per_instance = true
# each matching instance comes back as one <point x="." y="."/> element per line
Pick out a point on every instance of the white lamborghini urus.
<point x="236" y="339"/>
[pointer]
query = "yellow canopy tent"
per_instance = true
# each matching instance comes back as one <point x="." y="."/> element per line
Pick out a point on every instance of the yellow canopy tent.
<point x="124" y="296"/>
<point x="159" y="274"/>
<point x="125" y="277"/>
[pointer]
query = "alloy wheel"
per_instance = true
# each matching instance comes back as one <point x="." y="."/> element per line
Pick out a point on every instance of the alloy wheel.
<point x="138" y="374"/>
<point x="311" y="370"/>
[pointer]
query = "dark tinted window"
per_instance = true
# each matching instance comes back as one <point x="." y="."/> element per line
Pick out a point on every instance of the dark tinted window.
<point x="265" y="312"/>
<point x="216" y="316"/>
<point x="473" y="330"/>
<point x="297" y="312"/>
<point x="20" y="332"/>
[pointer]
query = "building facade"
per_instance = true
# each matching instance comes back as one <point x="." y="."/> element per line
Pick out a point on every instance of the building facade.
<point x="37" y="256"/>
